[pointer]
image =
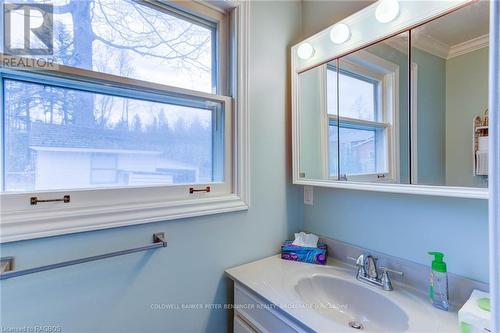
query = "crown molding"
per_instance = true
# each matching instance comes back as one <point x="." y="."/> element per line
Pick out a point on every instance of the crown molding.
<point x="439" y="49"/>
<point x="431" y="45"/>
<point x="423" y="42"/>
<point x="468" y="46"/>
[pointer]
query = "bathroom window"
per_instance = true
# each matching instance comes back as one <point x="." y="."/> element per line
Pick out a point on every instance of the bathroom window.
<point x="135" y="110"/>
<point x="58" y="136"/>
<point x="362" y="120"/>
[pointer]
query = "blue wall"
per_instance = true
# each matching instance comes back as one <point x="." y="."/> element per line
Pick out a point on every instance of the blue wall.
<point x="115" y="295"/>
<point x="431" y="118"/>
<point x="406" y="226"/>
<point x="466" y="98"/>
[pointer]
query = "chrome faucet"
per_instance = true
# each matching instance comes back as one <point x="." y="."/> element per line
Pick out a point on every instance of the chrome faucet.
<point x="367" y="272"/>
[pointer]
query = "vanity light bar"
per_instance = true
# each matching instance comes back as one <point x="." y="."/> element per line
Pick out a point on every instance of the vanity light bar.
<point x="387" y="11"/>
<point x="382" y="18"/>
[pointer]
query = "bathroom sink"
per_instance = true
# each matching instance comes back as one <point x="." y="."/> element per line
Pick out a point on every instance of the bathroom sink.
<point x="351" y="304"/>
<point x="329" y="299"/>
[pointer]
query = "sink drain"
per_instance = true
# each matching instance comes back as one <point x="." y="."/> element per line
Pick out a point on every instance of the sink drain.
<point x="355" y="325"/>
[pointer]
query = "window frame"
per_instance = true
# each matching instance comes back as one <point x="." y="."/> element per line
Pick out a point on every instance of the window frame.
<point x="93" y="209"/>
<point x="371" y="68"/>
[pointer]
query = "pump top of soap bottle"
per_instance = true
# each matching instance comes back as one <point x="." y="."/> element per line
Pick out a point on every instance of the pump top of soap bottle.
<point x="438" y="264"/>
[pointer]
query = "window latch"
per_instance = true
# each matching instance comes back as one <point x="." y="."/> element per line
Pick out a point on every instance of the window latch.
<point x="380" y="176"/>
<point x="192" y="190"/>
<point x="35" y="200"/>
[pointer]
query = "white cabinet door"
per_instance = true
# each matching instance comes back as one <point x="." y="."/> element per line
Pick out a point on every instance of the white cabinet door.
<point x="262" y="316"/>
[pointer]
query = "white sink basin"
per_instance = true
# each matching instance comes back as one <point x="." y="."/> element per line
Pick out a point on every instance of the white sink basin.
<point x="328" y="298"/>
<point x="351" y="304"/>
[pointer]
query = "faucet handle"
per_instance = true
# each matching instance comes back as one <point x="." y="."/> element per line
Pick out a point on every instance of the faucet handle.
<point x="386" y="280"/>
<point x="360" y="264"/>
<point x="386" y="269"/>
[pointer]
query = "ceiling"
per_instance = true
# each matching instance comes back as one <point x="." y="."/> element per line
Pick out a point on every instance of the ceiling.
<point x="460" y="26"/>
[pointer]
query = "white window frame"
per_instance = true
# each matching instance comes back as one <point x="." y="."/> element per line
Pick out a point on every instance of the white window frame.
<point x="93" y="209"/>
<point x="368" y="65"/>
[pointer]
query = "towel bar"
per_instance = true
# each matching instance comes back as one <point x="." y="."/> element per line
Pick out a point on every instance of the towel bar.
<point x="158" y="242"/>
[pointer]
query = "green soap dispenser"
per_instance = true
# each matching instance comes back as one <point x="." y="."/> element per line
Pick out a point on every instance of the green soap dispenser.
<point x="438" y="287"/>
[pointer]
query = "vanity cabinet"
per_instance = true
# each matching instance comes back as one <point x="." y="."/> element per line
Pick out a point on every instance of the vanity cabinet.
<point x="389" y="108"/>
<point x="253" y="314"/>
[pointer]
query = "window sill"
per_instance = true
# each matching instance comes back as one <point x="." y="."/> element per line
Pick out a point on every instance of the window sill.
<point x="29" y="224"/>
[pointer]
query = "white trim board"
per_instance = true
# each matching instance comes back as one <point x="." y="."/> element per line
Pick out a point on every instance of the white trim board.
<point x="494" y="163"/>
<point x="29" y="225"/>
<point x="441" y="191"/>
<point x="241" y="23"/>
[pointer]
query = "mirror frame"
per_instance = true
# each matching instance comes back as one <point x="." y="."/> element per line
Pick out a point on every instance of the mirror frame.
<point x="412" y="14"/>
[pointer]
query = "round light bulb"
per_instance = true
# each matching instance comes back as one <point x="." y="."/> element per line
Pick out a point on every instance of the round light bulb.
<point x="387" y="11"/>
<point x="305" y="51"/>
<point x="340" y="33"/>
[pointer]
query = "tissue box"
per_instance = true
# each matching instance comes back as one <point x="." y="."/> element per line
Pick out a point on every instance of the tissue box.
<point x="471" y="317"/>
<point x="313" y="255"/>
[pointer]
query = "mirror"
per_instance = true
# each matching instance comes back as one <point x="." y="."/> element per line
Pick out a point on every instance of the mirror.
<point x="394" y="114"/>
<point x="450" y="85"/>
<point x="367" y="124"/>
<point x="312" y="113"/>
<point x="373" y="108"/>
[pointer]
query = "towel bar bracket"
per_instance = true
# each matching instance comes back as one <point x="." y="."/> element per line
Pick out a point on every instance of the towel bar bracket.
<point x="159" y="237"/>
<point x="6" y="264"/>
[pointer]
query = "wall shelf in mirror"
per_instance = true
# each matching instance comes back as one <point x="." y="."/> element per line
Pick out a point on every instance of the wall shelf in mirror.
<point x="480" y="138"/>
<point x="389" y="109"/>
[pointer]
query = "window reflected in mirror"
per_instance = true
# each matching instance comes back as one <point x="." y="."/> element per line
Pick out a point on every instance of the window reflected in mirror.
<point x="314" y="108"/>
<point x="373" y="109"/>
